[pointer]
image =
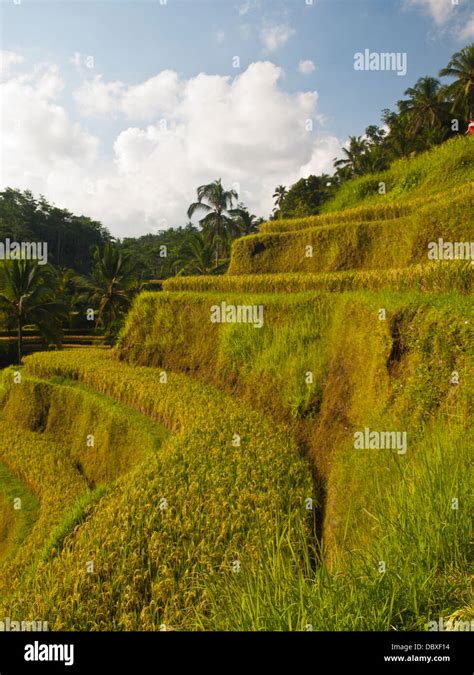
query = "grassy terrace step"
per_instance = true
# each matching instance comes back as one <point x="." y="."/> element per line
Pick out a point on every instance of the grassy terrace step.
<point x="77" y="418"/>
<point x="300" y="333"/>
<point x="349" y="246"/>
<point x="19" y="510"/>
<point x="44" y="442"/>
<point x="36" y="339"/>
<point x="378" y="211"/>
<point x="46" y="473"/>
<point x="167" y="561"/>
<point x="445" y="167"/>
<point x="393" y="373"/>
<point x="435" y="277"/>
<point x="228" y="504"/>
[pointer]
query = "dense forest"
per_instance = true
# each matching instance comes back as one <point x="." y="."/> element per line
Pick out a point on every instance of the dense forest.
<point x="70" y="238"/>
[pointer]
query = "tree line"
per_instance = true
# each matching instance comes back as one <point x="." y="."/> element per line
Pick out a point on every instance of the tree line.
<point x="431" y="113"/>
<point x="94" y="283"/>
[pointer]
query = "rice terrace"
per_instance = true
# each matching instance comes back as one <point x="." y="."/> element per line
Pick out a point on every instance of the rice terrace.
<point x="248" y="424"/>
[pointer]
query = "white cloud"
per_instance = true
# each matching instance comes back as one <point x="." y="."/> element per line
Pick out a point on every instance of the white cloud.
<point x="274" y="36"/>
<point x="325" y="149"/>
<point x="220" y="36"/>
<point x="156" y="95"/>
<point x="466" y="32"/>
<point x="7" y="60"/>
<point x="450" y="17"/>
<point x="248" y="6"/>
<point x="145" y="101"/>
<point x="439" y="10"/>
<point x="41" y="148"/>
<point x="245" y="130"/>
<point x="95" y="97"/>
<point x="306" y="67"/>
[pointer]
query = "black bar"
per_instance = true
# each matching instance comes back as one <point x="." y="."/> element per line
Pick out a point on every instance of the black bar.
<point x="310" y="652"/>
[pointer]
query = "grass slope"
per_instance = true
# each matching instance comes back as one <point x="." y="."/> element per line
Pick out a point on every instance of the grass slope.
<point x="363" y="245"/>
<point x="436" y="277"/>
<point x="394" y="373"/>
<point x="18" y="512"/>
<point x="446" y="166"/>
<point x="381" y="209"/>
<point x="155" y="564"/>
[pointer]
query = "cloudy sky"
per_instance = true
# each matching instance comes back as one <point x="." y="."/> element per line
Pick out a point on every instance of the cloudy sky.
<point x="119" y="110"/>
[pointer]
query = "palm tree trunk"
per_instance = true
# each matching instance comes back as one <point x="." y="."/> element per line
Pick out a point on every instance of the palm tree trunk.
<point x="20" y="341"/>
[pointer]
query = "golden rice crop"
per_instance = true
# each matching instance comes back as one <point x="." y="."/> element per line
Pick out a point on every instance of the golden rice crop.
<point x="268" y="367"/>
<point x="436" y="277"/>
<point x="382" y="210"/>
<point x="47" y="473"/>
<point x="56" y="463"/>
<point x="382" y="244"/>
<point x="103" y="438"/>
<point x="226" y="478"/>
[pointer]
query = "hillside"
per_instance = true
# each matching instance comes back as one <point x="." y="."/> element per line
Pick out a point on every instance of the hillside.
<point x="205" y="475"/>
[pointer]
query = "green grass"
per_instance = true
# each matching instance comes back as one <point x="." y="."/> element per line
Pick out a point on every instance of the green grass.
<point x="422" y="540"/>
<point x="301" y="333"/>
<point x="43" y="441"/>
<point x="247" y="503"/>
<point x="436" y="277"/>
<point x="446" y="166"/>
<point x="365" y="213"/>
<point x="15" y="523"/>
<point x="187" y="551"/>
<point x="390" y="374"/>
<point x="75" y="516"/>
<point x="39" y="464"/>
<point x="357" y="245"/>
<point x="153" y="566"/>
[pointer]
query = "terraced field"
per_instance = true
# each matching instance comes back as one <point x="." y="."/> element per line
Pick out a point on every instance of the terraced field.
<point x="204" y="474"/>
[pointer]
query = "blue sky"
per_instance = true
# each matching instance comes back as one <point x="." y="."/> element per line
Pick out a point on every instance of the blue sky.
<point x="132" y="42"/>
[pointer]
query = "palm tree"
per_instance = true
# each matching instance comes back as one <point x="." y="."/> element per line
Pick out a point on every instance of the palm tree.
<point x="65" y="283"/>
<point x="425" y="106"/>
<point x="110" y="288"/>
<point x="196" y="257"/>
<point x="217" y="224"/>
<point x="279" y="195"/>
<point x="355" y="155"/>
<point x="247" y="223"/>
<point x="29" y="297"/>
<point x="398" y="142"/>
<point x="461" y="91"/>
